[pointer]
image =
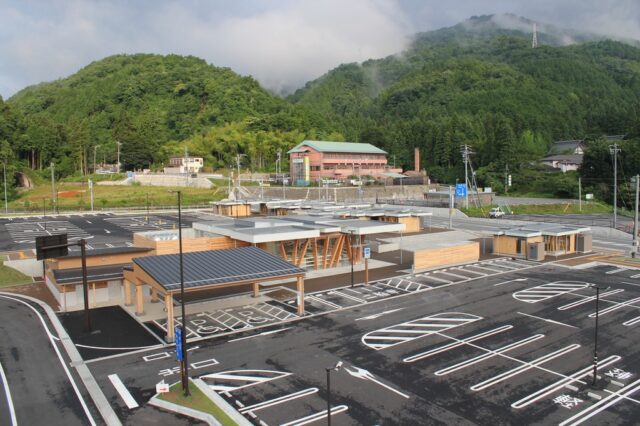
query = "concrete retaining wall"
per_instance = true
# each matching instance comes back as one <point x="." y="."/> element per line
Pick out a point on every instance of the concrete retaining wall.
<point x="29" y="267"/>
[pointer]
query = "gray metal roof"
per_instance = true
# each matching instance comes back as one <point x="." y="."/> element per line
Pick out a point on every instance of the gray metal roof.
<point x="205" y="268"/>
<point x="94" y="273"/>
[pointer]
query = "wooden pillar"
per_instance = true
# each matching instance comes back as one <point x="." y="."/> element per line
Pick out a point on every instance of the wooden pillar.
<point x="168" y="303"/>
<point x="154" y="295"/>
<point x="139" y="299"/>
<point x="325" y="249"/>
<point x="127" y="292"/>
<point x="315" y="254"/>
<point x="300" y="289"/>
<point x="256" y="289"/>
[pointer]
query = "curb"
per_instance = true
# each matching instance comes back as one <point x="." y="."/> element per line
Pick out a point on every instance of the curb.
<point x="185" y="411"/>
<point x="90" y="383"/>
<point x="221" y="403"/>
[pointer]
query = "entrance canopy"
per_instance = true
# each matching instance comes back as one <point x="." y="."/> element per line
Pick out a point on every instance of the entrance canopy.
<point x="215" y="268"/>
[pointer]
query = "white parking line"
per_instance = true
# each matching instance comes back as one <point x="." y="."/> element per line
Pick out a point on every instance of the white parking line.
<point x="547" y="291"/>
<point x="617" y="306"/>
<point x="453" y="345"/>
<point x="587" y="371"/>
<point x="522" y="368"/>
<point x="587" y="299"/>
<point x="631" y="321"/>
<point x="615" y="271"/>
<point x="123" y="391"/>
<point x="7" y="393"/>
<point x="316" y="416"/>
<point x="223" y="381"/>
<point x="326" y="302"/>
<point x="547" y="320"/>
<point x="489" y="354"/>
<point x="603" y="404"/>
<point x="347" y="296"/>
<point x="279" y="400"/>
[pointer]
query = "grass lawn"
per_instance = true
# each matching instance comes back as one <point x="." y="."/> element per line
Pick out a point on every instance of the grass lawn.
<point x="591" y="208"/>
<point x="197" y="401"/>
<point x="76" y="196"/>
<point x="10" y="277"/>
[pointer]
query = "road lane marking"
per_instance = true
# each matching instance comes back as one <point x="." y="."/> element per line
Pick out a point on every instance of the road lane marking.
<point x="585" y="372"/>
<point x="522" y="368"/>
<point x="453" y="345"/>
<point x="124" y="393"/>
<point x="615" y="271"/>
<point x="363" y="374"/>
<point x="316" y="416"/>
<point x="489" y="354"/>
<point x="378" y="315"/>
<point x="517" y="280"/>
<point x="7" y="392"/>
<point x="587" y="299"/>
<point x="603" y="404"/>
<point x="60" y="358"/>
<point x="278" y="400"/>
<point x="547" y="320"/>
<point x="231" y="380"/>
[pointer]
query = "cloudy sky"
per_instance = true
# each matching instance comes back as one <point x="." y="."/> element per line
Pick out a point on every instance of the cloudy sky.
<point x="282" y="43"/>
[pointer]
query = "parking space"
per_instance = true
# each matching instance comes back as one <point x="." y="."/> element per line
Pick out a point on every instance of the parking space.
<point x="508" y="348"/>
<point x="145" y="223"/>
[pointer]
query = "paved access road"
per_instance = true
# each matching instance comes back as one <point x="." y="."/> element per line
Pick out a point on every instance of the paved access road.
<point x="493" y="350"/>
<point x="44" y="389"/>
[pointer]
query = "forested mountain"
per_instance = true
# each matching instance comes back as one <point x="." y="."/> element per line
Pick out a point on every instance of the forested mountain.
<point x="148" y="103"/>
<point x="485" y="86"/>
<point x="478" y="83"/>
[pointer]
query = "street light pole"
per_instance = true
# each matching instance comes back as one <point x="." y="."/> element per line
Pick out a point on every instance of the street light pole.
<point x="118" y="143"/>
<point x="329" y="370"/>
<point x="185" y="364"/>
<point x="614" y="149"/>
<point x="54" y="199"/>
<point x="95" y="147"/>
<point x="635" y="219"/>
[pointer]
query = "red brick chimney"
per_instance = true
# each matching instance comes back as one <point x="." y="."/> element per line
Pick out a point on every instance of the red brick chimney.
<point x="416" y="155"/>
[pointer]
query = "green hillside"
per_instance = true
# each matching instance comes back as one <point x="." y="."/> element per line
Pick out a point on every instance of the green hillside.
<point x="149" y="103"/>
<point x="485" y="86"/>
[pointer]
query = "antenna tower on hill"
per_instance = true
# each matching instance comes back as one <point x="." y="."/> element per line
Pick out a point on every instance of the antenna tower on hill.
<point x="534" y="40"/>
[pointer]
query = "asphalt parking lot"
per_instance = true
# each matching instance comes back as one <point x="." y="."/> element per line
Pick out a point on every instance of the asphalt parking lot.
<point x="514" y="347"/>
<point x="99" y="229"/>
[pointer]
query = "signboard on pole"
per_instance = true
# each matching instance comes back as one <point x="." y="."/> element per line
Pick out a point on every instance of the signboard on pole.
<point x="179" y="348"/>
<point x="162" y="387"/>
<point x="461" y="190"/>
<point x="56" y="241"/>
<point x="588" y="196"/>
<point x="366" y="252"/>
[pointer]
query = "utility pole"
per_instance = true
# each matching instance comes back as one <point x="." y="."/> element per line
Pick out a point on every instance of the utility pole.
<point x="279" y="163"/>
<point x="466" y="150"/>
<point x="91" y="192"/>
<point x="118" y="143"/>
<point x="4" y="171"/>
<point x="54" y="199"/>
<point x="635" y="220"/>
<point x="579" y="193"/>
<point x="614" y="149"/>
<point x="450" y="207"/>
<point x="238" y="160"/>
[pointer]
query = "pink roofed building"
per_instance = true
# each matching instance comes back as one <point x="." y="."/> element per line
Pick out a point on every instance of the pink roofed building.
<point x="312" y="160"/>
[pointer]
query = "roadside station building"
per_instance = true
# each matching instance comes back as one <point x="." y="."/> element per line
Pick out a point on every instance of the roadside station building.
<point x="205" y="270"/>
<point x="312" y="160"/>
<point x="63" y="276"/>
<point x="535" y="241"/>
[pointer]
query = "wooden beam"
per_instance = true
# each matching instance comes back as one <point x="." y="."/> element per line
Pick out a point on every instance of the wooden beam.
<point x="327" y="243"/>
<point x="349" y="251"/>
<point x="315" y="254"/>
<point x="256" y="289"/>
<point x="294" y="252"/>
<point x="303" y="252"/>
<point x="283" y="251"/>
<point x="300" y="289"/>
<point x="168" y="303"/>
<point x="139" y="299"/>
<point x="127" y="292"/>
<point x="337" y="251"/>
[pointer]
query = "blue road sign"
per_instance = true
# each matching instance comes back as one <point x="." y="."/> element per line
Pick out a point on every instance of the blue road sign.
<point x="461" y="190"/>
<point x="179" y="349"/>
<point x="367" y="252"/>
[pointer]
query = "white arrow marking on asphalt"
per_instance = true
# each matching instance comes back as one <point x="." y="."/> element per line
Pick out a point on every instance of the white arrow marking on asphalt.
<point x="363" y="374"/>
<point x="107" y="231"/>
<point x="374" y="316"/>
